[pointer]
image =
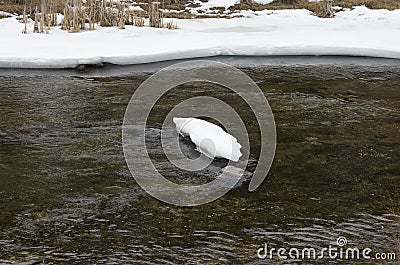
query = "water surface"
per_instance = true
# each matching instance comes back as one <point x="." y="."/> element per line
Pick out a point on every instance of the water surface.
<point x="67" y="196"/>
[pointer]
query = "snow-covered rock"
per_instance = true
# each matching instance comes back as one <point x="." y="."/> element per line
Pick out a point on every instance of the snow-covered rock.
<point x="210" y="139"/>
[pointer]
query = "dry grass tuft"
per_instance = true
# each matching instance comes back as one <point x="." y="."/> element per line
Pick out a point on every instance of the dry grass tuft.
<point x="171" y="25"/>
<point x="373" y="4"/>
<point x="218" y="9"/>
<point x="180" y="15"/>
<point x="138" y="21"/>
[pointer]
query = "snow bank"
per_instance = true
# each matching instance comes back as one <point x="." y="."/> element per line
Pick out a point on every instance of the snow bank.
<point x="359" y="32"/>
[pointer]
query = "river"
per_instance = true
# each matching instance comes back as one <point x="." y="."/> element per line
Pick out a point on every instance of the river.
<point x="67" y="196"/>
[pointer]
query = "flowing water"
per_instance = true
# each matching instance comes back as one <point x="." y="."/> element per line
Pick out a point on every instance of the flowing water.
<point x="67" y="196"/>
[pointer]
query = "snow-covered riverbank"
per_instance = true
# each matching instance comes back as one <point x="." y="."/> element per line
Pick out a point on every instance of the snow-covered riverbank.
<point x="357" y="32"/>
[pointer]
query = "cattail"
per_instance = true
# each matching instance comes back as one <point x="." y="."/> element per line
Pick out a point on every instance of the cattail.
<point x="154" y="15"/>
<point x="42" y="13"/>
<point x="36" y="25"/>
<point x="171" y="25"/>
<point x="138" y="21"/>
<point x="121" y="21"/>
<point x="82" y="19"/>
<point x="329" y="9"/>
<point x="91" y="15"/>
<point x="24" y="31"/>
<point x="65" y="22"/>
<point x="48" y="21"/>
<point x="75" y="17"/>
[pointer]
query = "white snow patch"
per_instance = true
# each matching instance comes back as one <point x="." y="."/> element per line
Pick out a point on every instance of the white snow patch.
<point x="5" y="14"/>
<point x="210" y="139"/>
<point x="135" y="8"/>
<point x="263" y="2"/>
<point x="216" y="3"/>
<point x="171" y="11"/>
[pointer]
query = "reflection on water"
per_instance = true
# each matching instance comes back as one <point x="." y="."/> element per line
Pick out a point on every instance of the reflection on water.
<point x="66" y="194"/>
